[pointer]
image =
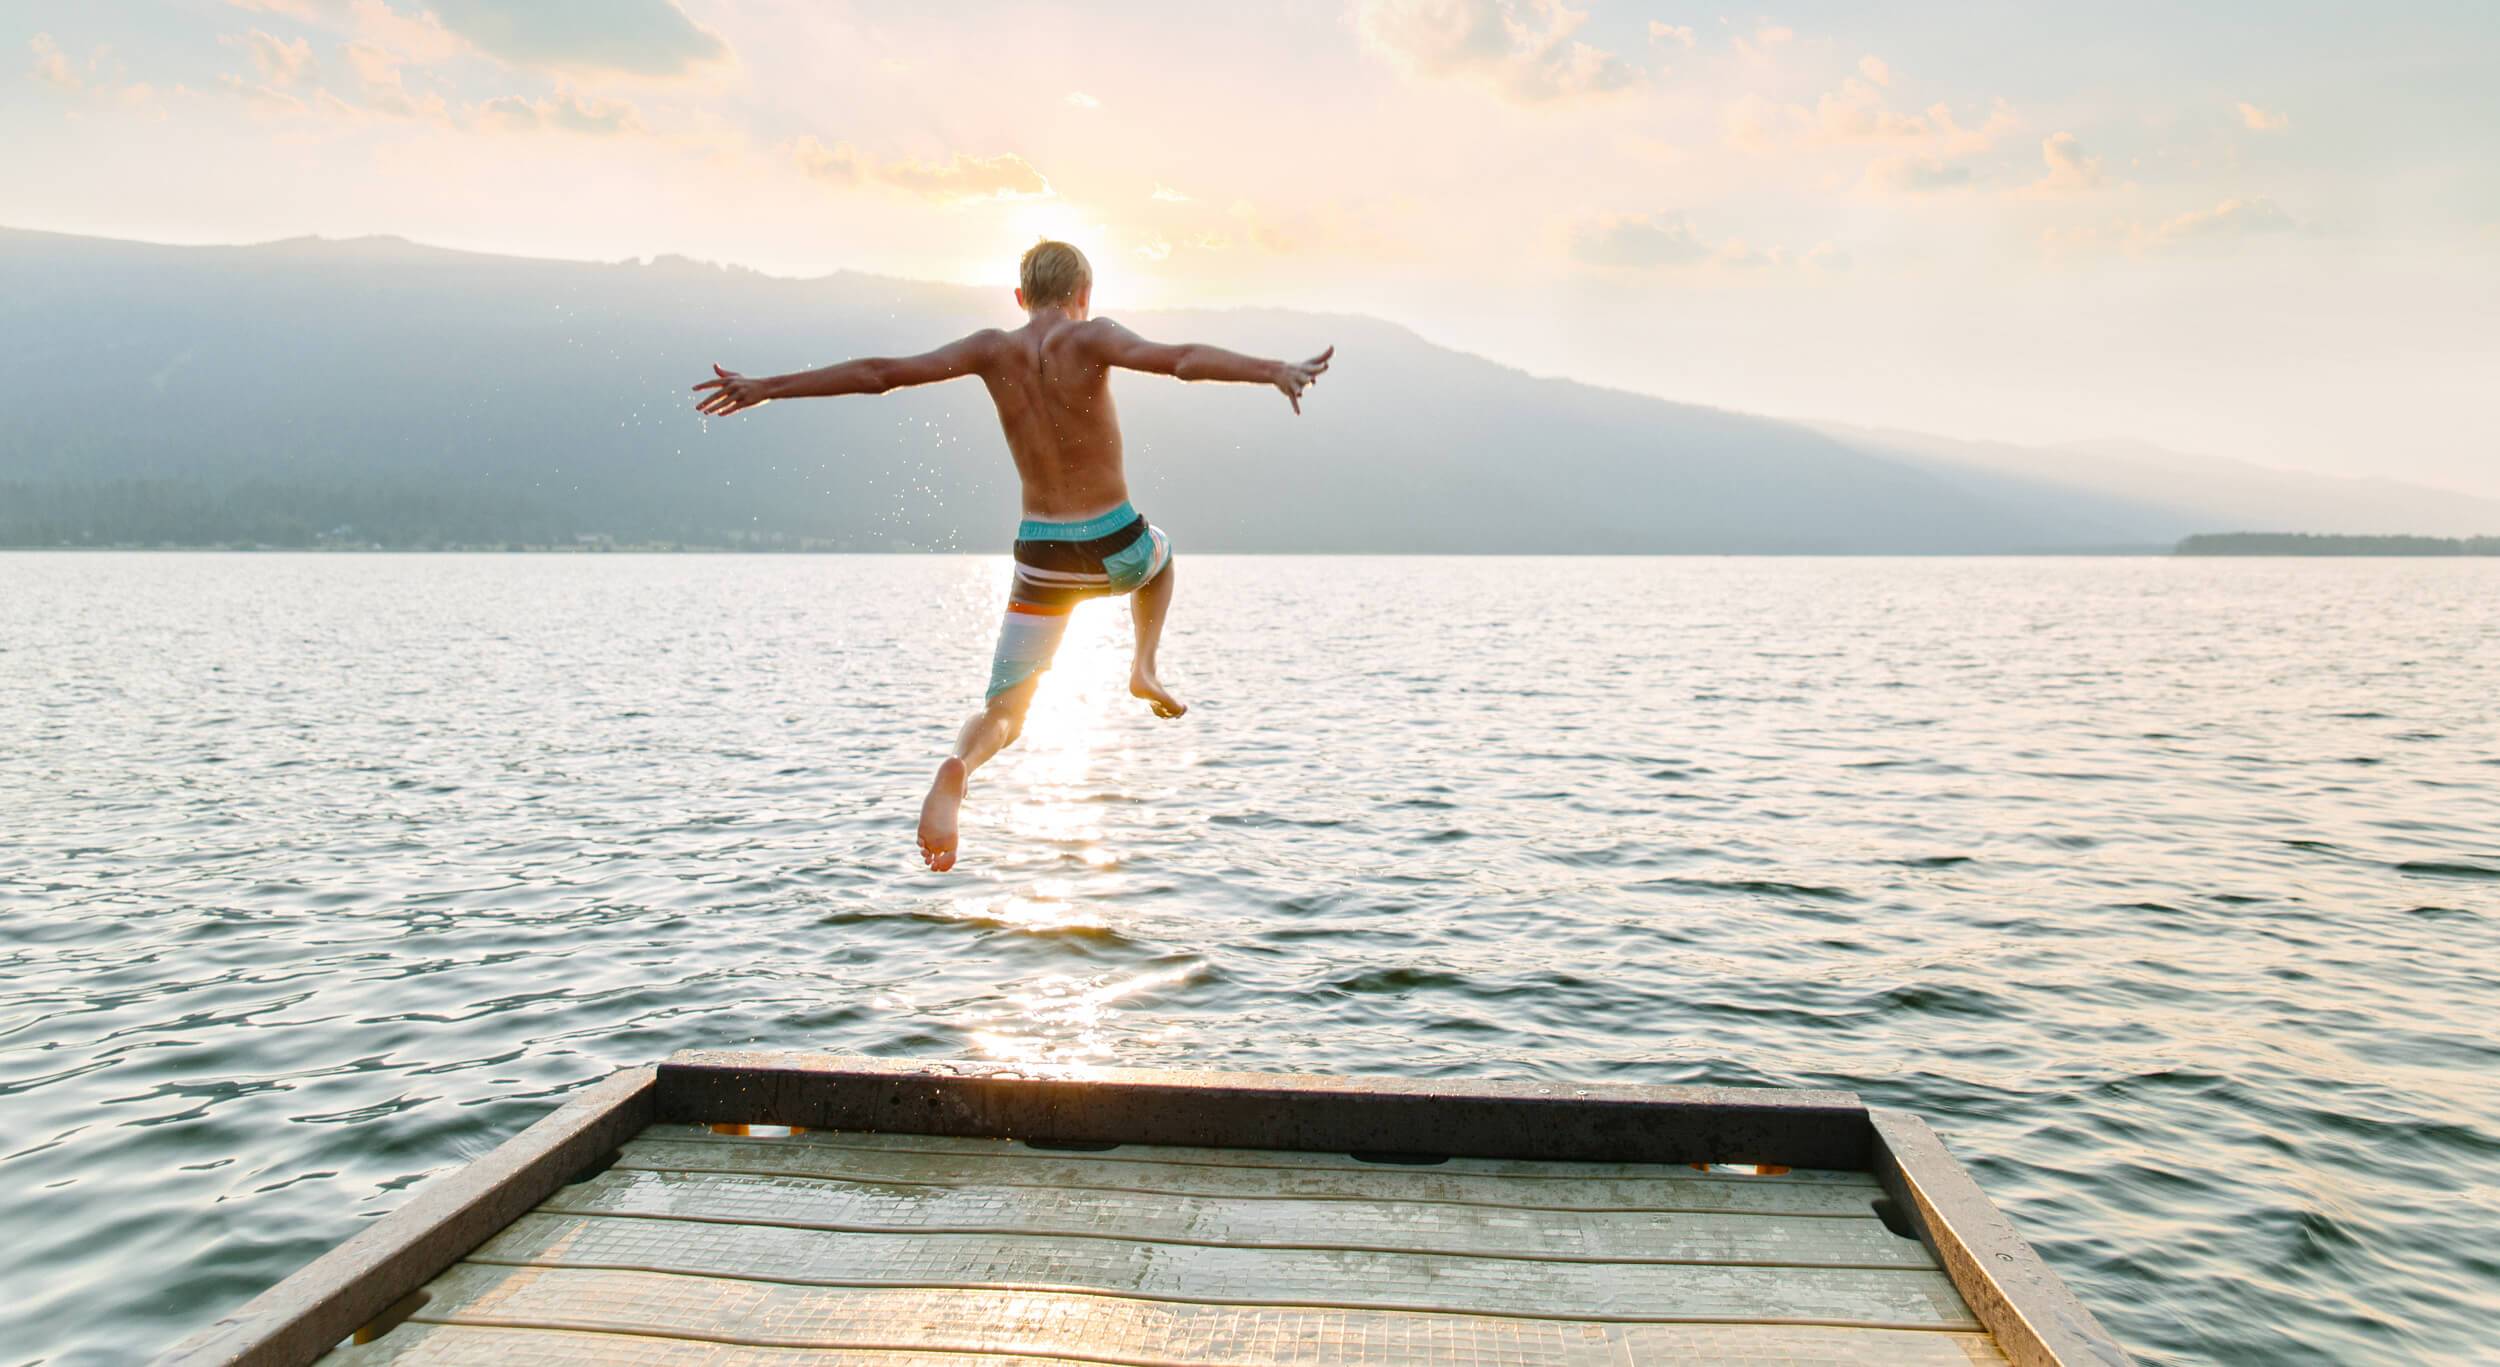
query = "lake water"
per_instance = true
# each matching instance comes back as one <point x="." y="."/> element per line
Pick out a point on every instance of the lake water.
<point x="2167" y="890"/>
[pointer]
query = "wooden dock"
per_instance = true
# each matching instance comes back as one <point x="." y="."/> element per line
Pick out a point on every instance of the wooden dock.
<point x="802" y="1210"/>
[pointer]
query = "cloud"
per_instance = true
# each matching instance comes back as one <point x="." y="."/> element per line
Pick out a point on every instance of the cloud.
<point x="381" y="87"/>
<point x="308" y="10"/>
<point x="282" y="65"/>
<point x="564" y="112"/>
<point x="263" y="100"/>
<point x="632" y="37"/>
<point x="1639" y="242"/>
<point x="629" y="37"/>
<point x="2070" y="171"/>
<point x="2230" y="218"/>
<point x="1678" y="34"/>
<point x="959" y="178"/>
<point x="1662" y="242"/>
<point x="1924" y="153"/>
<point x="418" y="36"/>
<point x="1758" y="47"/>
<point x="837" y="166"/>
<point x="1078" y="99"/>
<point x="1873" y="68"/>
<point x="93" y="82"/>
<point x="2257" y="120"/>
<point x="1857" y="112"/>
<point x="2252" y="216"/>
<point x="1918" y="175"/>
<point x="1757" y="123"/>
<point x="1005" y="176"/>
<point x="1522" y="49"/>
<point x="1340" y="229"/>
<point x="1165" y="194"/>
<point x="52" y="65"/>
<point x="290" y="82"/>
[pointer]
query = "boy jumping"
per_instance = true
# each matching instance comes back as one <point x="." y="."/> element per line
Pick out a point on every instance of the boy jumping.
<point x="1051" y="380"/>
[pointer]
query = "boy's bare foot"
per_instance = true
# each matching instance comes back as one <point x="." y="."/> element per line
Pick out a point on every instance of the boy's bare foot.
<point x="1144" y="684"/>
<point x="937" y="815"/>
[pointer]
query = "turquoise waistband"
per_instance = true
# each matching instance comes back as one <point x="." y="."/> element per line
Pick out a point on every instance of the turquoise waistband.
<point x="1090" y="528"/>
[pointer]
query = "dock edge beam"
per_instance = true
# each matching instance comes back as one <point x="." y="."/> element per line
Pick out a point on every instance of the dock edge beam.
<point x="2036" y="1320"/>
<point x="1452" y="1117"/>
<point x="348" y="1287"/>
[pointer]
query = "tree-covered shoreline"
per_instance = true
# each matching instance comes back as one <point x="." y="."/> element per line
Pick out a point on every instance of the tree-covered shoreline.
<point x="2310" y="543"/>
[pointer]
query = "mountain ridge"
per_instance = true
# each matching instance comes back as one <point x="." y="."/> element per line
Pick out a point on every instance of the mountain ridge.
<point x="377" y="389"/>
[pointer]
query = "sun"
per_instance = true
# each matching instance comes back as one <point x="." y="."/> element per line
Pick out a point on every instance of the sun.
<point x="1121" y="276"/>
<point x="1054" y="217"/>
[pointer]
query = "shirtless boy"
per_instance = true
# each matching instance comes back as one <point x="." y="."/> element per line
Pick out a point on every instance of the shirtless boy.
<point x="1051" y="380"/>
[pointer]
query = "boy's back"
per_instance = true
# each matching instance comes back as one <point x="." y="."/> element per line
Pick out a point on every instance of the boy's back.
<point x="1053" y="392"/>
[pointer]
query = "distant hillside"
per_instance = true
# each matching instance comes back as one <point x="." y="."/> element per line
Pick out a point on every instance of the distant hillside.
<point x="2139" y="485"/>
<point x="2301" y="543"/>
<point x="375" y="391"/>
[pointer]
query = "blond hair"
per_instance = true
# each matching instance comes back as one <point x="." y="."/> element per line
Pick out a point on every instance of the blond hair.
<point x="1052" y="273"/>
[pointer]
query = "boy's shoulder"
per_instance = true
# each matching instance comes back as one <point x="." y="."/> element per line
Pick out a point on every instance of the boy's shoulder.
<point x="1085" y="338"/>
<point x="981" y="347"/>
<point x="1098" y="335"/>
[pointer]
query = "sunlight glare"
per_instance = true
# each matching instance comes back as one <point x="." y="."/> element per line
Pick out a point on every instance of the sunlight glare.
<point x="1120" y="276"/>
<point x="1060" y="1018"/>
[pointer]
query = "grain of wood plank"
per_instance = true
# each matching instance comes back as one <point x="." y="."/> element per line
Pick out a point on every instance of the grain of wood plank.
<point x="1527" y="1169"/>
<point x="481" y="1316"/>
<point x="1346" y="1224"/>
<point x="1111" y="1172"/>
<point x="1900" y="1298"/>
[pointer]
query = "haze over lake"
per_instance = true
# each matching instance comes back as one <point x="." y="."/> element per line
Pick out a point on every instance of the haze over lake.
<point x="2168" y="890"/>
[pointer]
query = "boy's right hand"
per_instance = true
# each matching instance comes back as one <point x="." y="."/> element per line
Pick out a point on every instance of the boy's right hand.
<point x="731" y="393"/>
<point x="1292" y="379"/>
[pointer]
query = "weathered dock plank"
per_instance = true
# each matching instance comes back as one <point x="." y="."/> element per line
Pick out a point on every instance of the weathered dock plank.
<point x="1372" y="1224"/>
<point x="1534" y="1170"/>
<point x="1021" y="1167"/>
<point x="613" y="1310"/>
<point x="798" y="1258"/>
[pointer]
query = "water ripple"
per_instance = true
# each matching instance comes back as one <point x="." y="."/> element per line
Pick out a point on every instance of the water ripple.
<point x="2168" y="890"/>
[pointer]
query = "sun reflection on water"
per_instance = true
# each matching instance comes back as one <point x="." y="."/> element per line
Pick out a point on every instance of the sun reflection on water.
<point x="1039" y="915"/>
<point x="1052" y="791"/>
<point x="1050" y="769"/>
<point x="1062" y="1017"/>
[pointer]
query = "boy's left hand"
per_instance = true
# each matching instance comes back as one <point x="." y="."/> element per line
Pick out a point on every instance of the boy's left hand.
<point x="1293" y="379"/>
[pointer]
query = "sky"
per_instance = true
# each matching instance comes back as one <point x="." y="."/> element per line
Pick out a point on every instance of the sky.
<point x="2267" y="231"/>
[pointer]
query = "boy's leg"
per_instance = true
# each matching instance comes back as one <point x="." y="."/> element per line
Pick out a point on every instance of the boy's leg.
<point x="984" y="734"/>
<point x="1147" y="606"/>
<point x="1027" y="641"/>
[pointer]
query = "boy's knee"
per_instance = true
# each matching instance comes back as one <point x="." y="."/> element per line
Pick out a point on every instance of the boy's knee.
<point x="1008" y="709"/>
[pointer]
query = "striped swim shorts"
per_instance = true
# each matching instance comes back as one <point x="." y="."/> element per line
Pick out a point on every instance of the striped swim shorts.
<point x="1061" y="564"/>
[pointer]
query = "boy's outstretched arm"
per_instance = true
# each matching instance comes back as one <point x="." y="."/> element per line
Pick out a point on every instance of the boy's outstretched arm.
<point x="732" y="392"/>
<point x="1195" y="361"/>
